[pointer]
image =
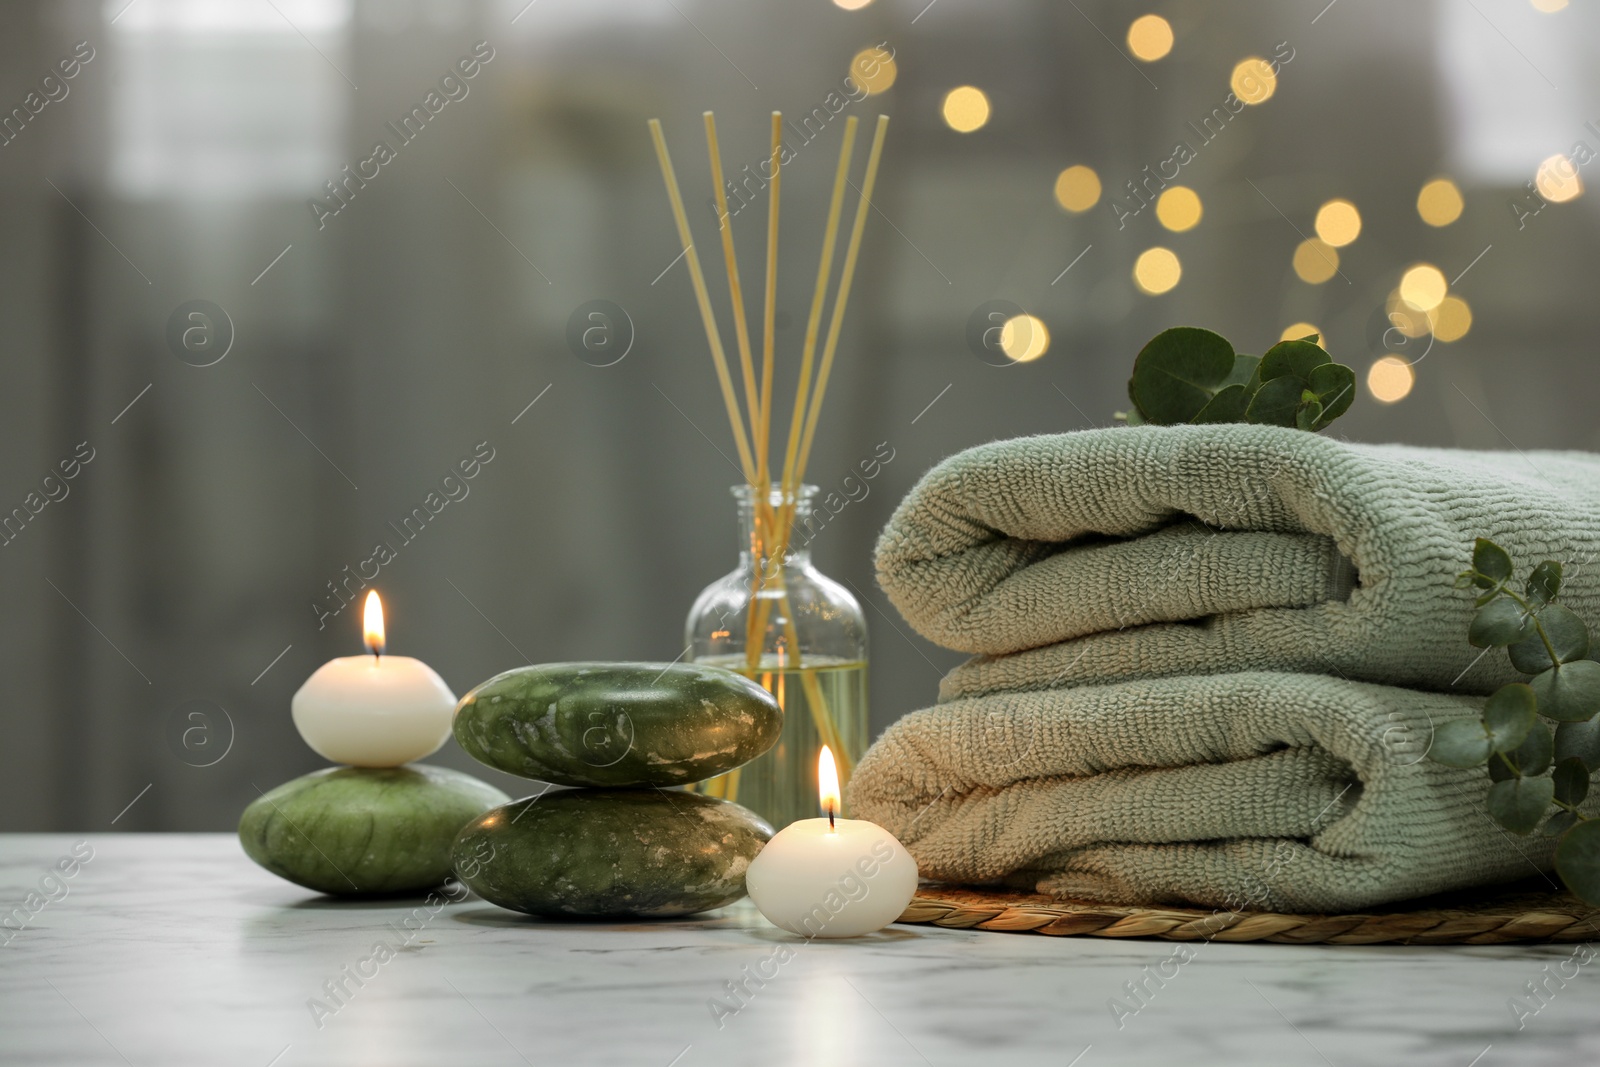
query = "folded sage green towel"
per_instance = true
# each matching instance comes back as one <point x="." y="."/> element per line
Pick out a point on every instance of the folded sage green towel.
<point x="1257" y="790"/>
<point x="1163" y="550"/>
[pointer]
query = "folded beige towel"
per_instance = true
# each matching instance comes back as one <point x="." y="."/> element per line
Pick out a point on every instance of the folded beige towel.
<point x="1257" y="790"/>
<point x="1169" y="550"/>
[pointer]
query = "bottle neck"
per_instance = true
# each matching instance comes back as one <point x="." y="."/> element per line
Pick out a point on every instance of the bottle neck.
<point x="760" y="534"/>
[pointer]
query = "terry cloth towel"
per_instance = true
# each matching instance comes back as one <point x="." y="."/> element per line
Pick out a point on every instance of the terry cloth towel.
<point x="1262" y="791"/>
<point x="1146" y="551"/>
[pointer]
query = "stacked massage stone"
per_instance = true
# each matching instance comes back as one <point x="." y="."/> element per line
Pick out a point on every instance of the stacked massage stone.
<point x="626" y="843"/>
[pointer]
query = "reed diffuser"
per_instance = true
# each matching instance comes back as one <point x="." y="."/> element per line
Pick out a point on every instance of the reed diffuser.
<point x="775" y="618"/>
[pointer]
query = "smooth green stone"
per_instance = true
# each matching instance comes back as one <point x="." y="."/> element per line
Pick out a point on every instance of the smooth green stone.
<point x="611" y="853"/>
<point x="357" y="830"/>
<point x="618" y="724"/>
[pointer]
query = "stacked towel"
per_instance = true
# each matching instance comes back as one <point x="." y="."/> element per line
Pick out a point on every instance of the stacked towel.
<point x="1174" y="627"/>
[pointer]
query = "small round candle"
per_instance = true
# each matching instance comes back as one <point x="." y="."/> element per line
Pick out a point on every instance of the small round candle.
<point x="832" y="877"/>
<point x="374" y="710"/>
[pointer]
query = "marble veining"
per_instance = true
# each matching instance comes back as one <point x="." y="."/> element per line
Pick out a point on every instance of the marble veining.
<point x="176" y="950"/>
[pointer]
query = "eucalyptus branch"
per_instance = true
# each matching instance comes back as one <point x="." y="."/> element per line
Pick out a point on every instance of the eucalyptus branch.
<point x="1536" y="780"/>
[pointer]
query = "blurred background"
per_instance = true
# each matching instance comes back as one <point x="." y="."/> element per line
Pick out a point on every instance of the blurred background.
<point x="251" y="364"/>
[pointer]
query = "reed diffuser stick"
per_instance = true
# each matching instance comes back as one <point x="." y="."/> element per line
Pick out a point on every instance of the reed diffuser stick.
<point x="770" y="306"/>
<point x="814" y="320"/>
<point x="846" y="276"/>
<point x="707" y="319"/>
<point x="778" y="529"/>
<point x="741" y="329"/>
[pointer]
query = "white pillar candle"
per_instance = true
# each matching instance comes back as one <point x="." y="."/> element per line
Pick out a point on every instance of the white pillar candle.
<point x="832" y="877"/>
<point x="374" y="710"/>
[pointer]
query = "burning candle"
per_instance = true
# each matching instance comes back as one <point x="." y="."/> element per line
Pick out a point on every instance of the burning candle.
<point x="832" y="877"/>
<point x="374" y="710"/>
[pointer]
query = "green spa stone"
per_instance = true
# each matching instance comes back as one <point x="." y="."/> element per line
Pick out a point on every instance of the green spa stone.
<point x="611" y="853"/>
<point x="617" y="724"/>
<point x="360" y="830"/>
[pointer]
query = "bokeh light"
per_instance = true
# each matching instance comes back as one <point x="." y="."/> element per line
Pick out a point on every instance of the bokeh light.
<point x="1439" y="203"/>
<point x="1316" y="261"/>
<point x="1557" y="179"/>
<point x="1157" y="270"/>
<point x="1390" y="379"/>
<point x="1302" y="329"/>
<point x="1549" y="6"/>
<point x="873" y="69"/>
<point x="1078" y="188"/>
<point x="1423" y="286"/>
<point x="1338" y="222"/>
<point x="1024" y="338"/>
<point x="1150" y="37"/>
<point x="1179" y="208"/>
<point x="852" y="5"/>
<point x="1253" y="81"/>
<point x="1451" y="319"/>
<point x="966" y="108"/>
<point x="1406" y="318"/>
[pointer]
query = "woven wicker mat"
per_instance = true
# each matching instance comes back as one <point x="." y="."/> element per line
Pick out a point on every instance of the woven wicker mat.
<point x="1522" y="912"/>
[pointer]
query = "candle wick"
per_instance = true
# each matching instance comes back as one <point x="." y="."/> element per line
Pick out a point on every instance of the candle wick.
<point x="830" y="816"/>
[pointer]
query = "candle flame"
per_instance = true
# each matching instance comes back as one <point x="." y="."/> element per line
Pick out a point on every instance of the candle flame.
<point x="372" y="623"/>
<point x="828" y="783"/>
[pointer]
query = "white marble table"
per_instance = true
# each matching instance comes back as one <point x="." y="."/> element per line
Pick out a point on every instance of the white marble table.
<point x="175" y="949"/>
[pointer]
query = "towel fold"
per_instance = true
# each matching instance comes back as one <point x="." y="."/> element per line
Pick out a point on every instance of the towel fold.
<point x="1151" y="551"/>
<point x="1254" y="790"/>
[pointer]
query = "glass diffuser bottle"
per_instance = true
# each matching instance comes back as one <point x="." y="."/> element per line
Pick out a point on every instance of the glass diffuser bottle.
<point x="799" y="634"/>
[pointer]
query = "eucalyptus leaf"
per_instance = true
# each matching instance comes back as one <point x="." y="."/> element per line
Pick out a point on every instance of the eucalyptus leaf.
<point x="1499" y="622"/>
<point x="1244" y="372"/>
<point x="1572" y="781"/>
<point x="1578" y="860"/>
<point x="1558" y="824"/>
<point x="1335" y="386"/>
<point x="1460" y="743"/>
<point x="1294" y="359"/>
<point x="1508" y="715"/>
<point x="1532" y="757"/>
<point x="1502" y="767"/>
<point x="1309" y="416"/>
<point x="1276" y="402"/>
<point x="1227" y="406"/>
<point x="1519" y="804"/>
<point x="1490" y="560"/>
<point x="1545" y="582"/>
<point x="1568" y="636"/>
<point x="1581" y="740"/>
<point x="1570" y="692"/>
<point x="1176" y="374"/>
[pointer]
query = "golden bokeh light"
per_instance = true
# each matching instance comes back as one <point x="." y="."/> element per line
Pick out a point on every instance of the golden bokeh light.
<point x="1157" y="270"/>
<point x="1078" y="188"/>
<point x="1179" y="208"/>
<point x="1557" y="179"/>
<point x="1150" y="37"/>
<point x="1439" y="203"/>
<point x="966" y="108"/>
<point x="1390" y="379"/>
<point x="1405" y="318"/>
<point x="1451" y="319"/>
<point x="1253" y="81"/>
<point x="1303" y="329"/>
<point x="873" y="69"/>
<point x="1024" y="338"/>
<point x="1423" y="286"/>
<point x="1315" y="261"/>
<point x="851" y="5"/>
<point x="1338" y="222"/>
<point x="1549" y="6"/>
